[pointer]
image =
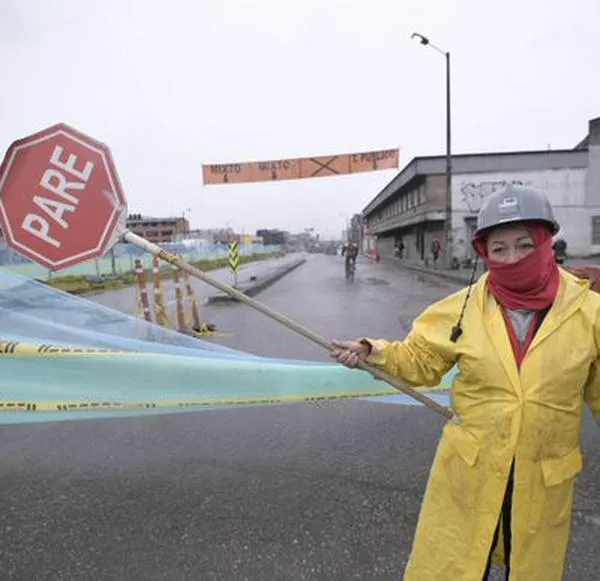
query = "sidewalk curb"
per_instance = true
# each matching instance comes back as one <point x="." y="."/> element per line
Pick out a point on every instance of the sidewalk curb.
<point x="452" y="276"/>
<point x="464" y="278"/>
<point x="254" y="289"/>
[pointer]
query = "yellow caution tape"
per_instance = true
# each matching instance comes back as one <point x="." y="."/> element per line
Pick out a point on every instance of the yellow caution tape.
<point x="64" y="406"/>
<point x="19" y="349"/>
<point x="168" y="256"/>
<point x="207" y="333"/>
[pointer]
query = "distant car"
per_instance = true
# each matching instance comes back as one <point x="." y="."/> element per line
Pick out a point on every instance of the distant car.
<point x="331" y="249"/>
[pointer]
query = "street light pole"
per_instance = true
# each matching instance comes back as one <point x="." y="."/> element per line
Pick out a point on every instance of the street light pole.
<point x="448" y="209"/>
<point x="448" y="220"/>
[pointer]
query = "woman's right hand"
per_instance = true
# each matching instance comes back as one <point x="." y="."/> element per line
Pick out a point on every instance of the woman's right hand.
<point x="349" y="353"/>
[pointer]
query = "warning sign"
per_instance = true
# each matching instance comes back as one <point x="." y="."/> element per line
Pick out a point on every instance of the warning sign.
<point x="301" y="167"/>
<point x="234" y="256"/>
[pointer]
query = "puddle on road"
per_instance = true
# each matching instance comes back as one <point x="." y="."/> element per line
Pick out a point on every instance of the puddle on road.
<point x="435" y="281"/>
<point x="376" y="281"/>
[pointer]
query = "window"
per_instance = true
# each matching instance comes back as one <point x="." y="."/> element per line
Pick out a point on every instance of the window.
<point x="596" y="230"/>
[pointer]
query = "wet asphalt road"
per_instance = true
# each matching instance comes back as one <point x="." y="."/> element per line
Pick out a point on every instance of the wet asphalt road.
<point x="380" y="303"/>
<point x="326" y="491"/>
<point x="125" y="299"/>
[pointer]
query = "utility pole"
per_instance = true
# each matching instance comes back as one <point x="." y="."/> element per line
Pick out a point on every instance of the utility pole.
<point x="447" y="250"/>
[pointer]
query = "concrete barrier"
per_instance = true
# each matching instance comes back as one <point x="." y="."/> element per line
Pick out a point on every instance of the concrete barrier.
<point x="254" y="287"/>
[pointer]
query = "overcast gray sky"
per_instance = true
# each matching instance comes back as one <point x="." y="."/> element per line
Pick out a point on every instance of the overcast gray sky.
<point x="172" y="85"/>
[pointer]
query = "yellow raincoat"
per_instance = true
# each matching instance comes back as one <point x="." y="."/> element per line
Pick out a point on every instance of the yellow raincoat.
<point x="532" y="416"/>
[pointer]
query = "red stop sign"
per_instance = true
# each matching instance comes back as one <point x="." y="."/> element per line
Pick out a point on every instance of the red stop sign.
<point x="60" y="197"/>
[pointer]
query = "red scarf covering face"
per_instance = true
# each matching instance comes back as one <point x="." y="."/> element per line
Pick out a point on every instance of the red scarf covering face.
<point x="532" y="282"/>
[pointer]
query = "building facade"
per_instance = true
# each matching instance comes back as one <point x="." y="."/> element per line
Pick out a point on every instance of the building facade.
<point x="355" y="231"/>
<point x="158" y="230"/>
<point x="273" y="236"/>
<point x="410" y="209"/>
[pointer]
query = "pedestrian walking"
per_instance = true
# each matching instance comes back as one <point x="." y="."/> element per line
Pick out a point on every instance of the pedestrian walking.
<point x="560" y="250"/>
<point x="525" y="339"/>
<point x="436" y="249"/>
<point x="399" y="250"/>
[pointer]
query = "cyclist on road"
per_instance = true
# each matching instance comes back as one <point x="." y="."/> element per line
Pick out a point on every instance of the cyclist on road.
<point x="350" y="251"/>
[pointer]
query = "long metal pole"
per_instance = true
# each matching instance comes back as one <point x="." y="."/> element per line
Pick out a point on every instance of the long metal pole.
<point x="289" y="323"/>
<point x="448" y="218"/>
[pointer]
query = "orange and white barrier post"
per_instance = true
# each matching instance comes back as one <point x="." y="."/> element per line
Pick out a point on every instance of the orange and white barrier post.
<point x="181" y="322"/>
<point x="140" y="275"/>
<point x="160" y="308"/>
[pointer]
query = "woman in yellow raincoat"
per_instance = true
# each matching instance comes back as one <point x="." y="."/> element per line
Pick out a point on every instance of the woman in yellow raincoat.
<point x="525" y="339"/>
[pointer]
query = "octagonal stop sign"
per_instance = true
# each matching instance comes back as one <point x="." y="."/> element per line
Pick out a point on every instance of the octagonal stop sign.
<point x="60" y="197"/>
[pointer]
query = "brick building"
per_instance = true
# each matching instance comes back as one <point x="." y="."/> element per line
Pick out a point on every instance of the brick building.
<point x="158" y="230"/>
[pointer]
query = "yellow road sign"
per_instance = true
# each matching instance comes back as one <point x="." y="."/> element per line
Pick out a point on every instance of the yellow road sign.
<point x="234" y="256"/>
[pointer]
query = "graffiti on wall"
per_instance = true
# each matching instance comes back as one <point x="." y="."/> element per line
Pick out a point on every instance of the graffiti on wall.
<point x="473" y="193"/>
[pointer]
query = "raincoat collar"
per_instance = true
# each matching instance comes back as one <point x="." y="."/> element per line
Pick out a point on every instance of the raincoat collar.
<point x="496" y="329"/>
<point x="571" y="294"/>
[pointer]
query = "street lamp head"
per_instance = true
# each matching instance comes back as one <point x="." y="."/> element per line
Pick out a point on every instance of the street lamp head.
<point x="425" y="41"/>
<point x="422" y="39"/>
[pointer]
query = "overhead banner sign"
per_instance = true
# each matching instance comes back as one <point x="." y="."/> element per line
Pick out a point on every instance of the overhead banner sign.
<point x="300" y="167"/>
